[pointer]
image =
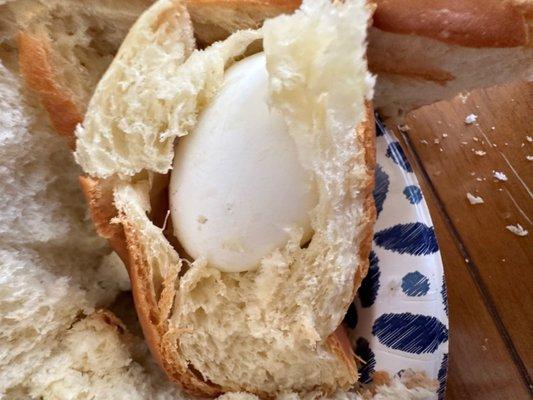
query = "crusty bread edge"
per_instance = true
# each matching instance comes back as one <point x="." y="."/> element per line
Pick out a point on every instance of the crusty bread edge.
<point x="125" y="241"/>
<point x="38" y="72"/>
<point x="154" y="327"/>
<point x="367" y="132"/>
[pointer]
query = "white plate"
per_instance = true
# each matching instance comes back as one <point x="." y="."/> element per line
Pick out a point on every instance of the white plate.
<point x="400" y="314"/>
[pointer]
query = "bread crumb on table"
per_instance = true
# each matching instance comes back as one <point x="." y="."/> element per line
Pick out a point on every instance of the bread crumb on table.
<point x="529" y="158"/>
<point x="499" y="175"/>
<point x="404" y="128"/>
<point x="517" y="229"/>
<point x="474" y="199"/>
<point x="470" y="119"/>
<point x="463" y="97"/>
<point x="480" y="153"/>
<point x="529" y="139"/>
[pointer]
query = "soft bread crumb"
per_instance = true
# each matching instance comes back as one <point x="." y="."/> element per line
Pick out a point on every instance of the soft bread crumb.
<point x="144" y="72"/>
<point x="474" y="199"/>
<point x="53" y="268"/>
<point x="404" y="128"/>
<point x="499" y="175"/>
<point x="517" y="229"/>
<point x="93" y="360"/>
<point x="463" y="97"/>
<point x="480" y="153"/>
<point x="470" y="119"/>
<point x="410" y="386"/>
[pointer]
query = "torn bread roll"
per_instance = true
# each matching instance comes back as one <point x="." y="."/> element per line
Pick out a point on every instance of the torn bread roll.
<point x="272" y="323"/>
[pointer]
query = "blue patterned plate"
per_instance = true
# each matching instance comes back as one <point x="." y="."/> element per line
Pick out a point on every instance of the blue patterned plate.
<point x="400" y="318"/>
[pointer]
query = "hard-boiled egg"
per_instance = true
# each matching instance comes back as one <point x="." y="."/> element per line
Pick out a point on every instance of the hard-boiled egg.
<point x="237" y="188"/>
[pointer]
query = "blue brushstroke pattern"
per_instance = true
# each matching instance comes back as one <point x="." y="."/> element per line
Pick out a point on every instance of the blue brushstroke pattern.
<point x="368" y="290"/>
<point x="412" y="333"/>
<point x="414" y="238"/>
<point x="363" y="351"/>
<point x="415" y="284"/>
<point x="380" y="128"/>
<point x="381" y="189"/>
<point x="395" y="152"/>
<point x="351" y="317"/>
<point x="443" y="372"/>
<point x="444" y="293"/>
<point x="413" y="194"/>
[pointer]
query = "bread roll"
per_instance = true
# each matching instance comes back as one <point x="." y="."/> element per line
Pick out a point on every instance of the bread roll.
<point x="276" y="328"/>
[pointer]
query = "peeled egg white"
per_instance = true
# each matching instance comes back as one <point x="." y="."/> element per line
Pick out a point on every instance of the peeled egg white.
<point x="237" y="187"/>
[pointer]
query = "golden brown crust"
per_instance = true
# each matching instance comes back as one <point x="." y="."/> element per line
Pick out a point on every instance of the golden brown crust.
<point x="340" y="345"/>
<point x="155" y="328"/>
<point x="471" y="23"/>
<point x="99" y="196"/>
<point x="37" y="69"/>
<point x="367" y="133"/>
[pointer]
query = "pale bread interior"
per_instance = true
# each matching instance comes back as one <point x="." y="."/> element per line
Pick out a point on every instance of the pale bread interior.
<point x="55" y="271"/>
<point x="264" y="331"/>
<point x="81" y="38"/>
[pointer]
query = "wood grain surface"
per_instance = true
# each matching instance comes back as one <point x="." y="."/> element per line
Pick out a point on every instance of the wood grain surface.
<point x="489" y="269"/>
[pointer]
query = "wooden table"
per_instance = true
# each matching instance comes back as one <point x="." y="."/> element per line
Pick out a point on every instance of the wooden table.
<point x="488" y="268"/>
